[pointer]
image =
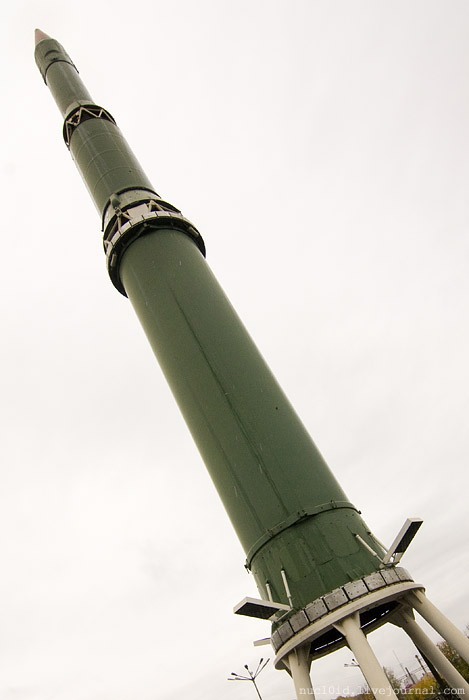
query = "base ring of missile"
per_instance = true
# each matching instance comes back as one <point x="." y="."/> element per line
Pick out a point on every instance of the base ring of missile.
<point x="374" y="607"/>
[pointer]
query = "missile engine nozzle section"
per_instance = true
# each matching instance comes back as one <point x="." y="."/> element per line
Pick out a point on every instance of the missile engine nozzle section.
<point x="125" y="198"/>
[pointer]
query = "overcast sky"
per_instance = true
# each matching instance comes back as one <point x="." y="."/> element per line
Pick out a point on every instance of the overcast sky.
<point x="322" y="150"/>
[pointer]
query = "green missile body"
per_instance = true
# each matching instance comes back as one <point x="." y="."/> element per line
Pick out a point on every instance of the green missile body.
<point x="302" y="537"/>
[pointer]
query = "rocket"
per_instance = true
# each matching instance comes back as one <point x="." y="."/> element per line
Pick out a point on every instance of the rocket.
<point x="324" y="580"/>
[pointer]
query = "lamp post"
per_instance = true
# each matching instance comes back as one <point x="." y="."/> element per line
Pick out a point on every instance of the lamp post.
<point x="252" y="676"/>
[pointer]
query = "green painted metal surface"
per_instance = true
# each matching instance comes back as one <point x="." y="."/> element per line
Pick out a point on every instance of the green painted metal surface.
<point x="285" y="504"/>
<point x="105" y="161"/>
<point x="101" y="153"/>
<point x="60" y="75"/>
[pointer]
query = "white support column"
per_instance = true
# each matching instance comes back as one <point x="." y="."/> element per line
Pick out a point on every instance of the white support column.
<point x="369" y="665"/>
<point x="435" y="656"/>
<point x="455" y="638"/>
<point x="299" y="665"/>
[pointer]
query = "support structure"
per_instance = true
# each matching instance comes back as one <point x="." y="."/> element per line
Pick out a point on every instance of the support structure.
<point x="358" y="644"/>
<point x="455" y="638"/>
<point x="298" y="664"/>
<point x="406" y="620"/>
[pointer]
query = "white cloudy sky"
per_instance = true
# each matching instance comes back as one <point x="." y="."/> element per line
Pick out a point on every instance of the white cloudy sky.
<point x="322" y="150"/>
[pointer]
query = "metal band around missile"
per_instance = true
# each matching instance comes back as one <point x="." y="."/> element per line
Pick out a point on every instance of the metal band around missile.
<point x="81" y="113"/>
<point x="127" y="224"/>
<point x="292" y="520"/>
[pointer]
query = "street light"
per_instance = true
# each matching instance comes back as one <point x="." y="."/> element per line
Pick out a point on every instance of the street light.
<point x="252" y="676"/>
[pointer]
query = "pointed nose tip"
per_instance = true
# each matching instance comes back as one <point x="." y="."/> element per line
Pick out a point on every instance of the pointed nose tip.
<point x="40" y="36"/>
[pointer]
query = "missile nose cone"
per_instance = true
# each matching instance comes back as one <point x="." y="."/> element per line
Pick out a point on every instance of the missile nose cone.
<point x="39" y="36"/>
